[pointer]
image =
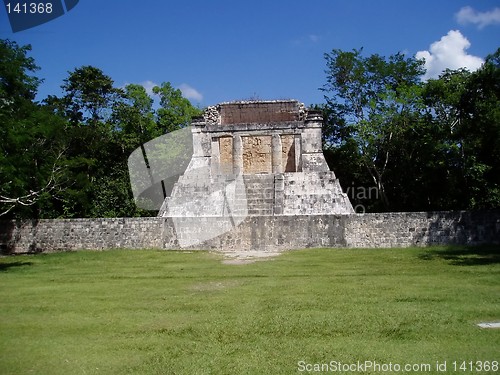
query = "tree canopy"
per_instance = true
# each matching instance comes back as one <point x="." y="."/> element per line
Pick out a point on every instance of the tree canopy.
<point x="67" y="156"/>
<point x="423" y="145"/>
<point x="396" y="142"/>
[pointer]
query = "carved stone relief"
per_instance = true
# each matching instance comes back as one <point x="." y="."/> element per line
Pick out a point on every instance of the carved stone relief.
<point x="257" y="154"/>
<point x="226" y="155"/>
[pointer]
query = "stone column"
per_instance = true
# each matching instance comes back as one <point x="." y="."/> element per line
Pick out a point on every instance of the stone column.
<point x="311" y="139"/>
<point x="312" y="153"/>
<point x="237" y="155"/>
<point x="276" y="152"/>
<point x="298" y="153"/>
<point x="197" y="139"/>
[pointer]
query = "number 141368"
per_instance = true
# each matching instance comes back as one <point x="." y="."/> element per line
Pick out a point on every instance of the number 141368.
<point x="29" y="8"/>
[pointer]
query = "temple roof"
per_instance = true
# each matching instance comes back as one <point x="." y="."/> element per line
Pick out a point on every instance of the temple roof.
<point x="258" y="111"/>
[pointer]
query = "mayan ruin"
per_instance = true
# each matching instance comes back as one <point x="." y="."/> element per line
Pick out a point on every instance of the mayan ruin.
<point x="257" y="158"/>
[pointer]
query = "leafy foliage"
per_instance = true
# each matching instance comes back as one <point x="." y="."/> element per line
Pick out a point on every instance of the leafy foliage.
<point x="175" y="111"/>
<point x="424" y="145"/>
<point x="67" y="157"/>
<point x="32" y="147"/>
<point x="395" y="142"/>
<point x="376" y="103"/>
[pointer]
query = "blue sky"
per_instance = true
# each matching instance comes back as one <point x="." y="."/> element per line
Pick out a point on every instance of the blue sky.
<point x="229" y="50"/>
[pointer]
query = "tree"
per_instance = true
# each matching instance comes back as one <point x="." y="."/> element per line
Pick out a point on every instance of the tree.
<point x="431" y="145"/>
<point x="106" y="125"/>
<point x="94" y="154"/>
<point x="445" y="169"/>
<point x="133" y="122"/>
<point x="465" y="106"/>
<point x="32" y="197"/>
<point x="32" y="150"/>
<point x="89" y="95"/>
<point x="136" y="122"/>
<point x="372" y="104"/>
<point x="175" y="111"/>
<point x="17" y="85"/>
<point x="480" y="132"/>
<point x="134" y="118"/>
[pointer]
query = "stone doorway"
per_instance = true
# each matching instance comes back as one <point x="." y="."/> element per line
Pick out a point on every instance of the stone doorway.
<point x="288" y="153"/>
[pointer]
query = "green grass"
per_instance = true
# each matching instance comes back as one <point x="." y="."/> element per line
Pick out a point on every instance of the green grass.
<point x="162" y="312"/>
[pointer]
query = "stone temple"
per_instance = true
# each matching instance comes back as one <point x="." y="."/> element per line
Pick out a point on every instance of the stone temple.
<point x="255" y="158"/>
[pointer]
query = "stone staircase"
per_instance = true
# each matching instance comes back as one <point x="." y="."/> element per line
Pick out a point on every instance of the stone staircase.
<point x="259" y="189"/>
<point x="256" y="195"/>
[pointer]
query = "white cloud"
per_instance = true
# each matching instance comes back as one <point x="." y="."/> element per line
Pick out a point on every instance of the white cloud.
<point x="307" y="39"/>
<point x="190" y="92"/>
<point x="468" y="15"/>
<point x="448" y="52"/>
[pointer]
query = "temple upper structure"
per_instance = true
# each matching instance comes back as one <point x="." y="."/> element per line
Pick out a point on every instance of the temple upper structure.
<point x="257" y="158"/>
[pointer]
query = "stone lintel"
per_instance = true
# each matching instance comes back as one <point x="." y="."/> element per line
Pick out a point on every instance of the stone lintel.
<point x="276" y="126"/>
<point x="262" y="111"/>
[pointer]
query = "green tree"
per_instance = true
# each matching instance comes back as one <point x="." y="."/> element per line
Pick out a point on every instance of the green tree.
<point x="32" y="150"/>
<point x="445" y="168"/>
<point x="17" y="82"/>
<point x="136" y="122"/>
<point x="87" y="103"/>
<point x="134" y="118"/>
<point x="68" y="156"/>
<point x="464" y="106"/>
<point x="372" y="103"/>
<point x="133" y="123"/>
<point x="480" y="134"/>
<point x="175" y="111"/>
<point x="89" y="95"/>
<point x="431" y="145"/>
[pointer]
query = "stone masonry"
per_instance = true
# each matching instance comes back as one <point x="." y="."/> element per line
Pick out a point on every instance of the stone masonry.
<point x="262" y="233"/>
<point x="257" y="158"/>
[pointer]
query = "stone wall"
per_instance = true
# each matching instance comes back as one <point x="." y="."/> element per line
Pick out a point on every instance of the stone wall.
<point x="73" y="234"/>
<point x="260" y="112"/>
<point x="257" y="154"/>
<point x="423" y="228"/>
<point x="312" y="193"/>
<point x="265" y="233"/>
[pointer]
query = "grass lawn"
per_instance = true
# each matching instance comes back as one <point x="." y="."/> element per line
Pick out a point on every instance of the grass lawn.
<point x="164" y="312"/>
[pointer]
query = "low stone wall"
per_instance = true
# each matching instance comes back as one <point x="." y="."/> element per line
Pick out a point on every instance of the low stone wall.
<point x="265" y="233"/>
<point x="73" y="234"/>
<point x="405" y="229"/>
<point x="271" y="233"/>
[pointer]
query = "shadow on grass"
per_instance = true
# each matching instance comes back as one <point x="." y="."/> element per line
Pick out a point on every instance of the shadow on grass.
<point x="465" y="255"/>
<point x="7" y="266"/>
